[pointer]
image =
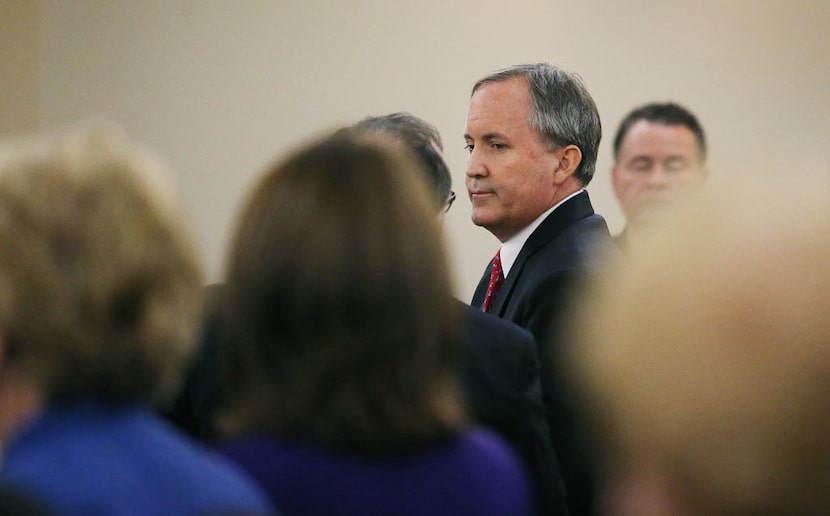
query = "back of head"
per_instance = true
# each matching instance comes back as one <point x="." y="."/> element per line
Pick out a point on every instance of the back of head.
<point x="339" y="303"/>
<point x="99" y="284"/>
<point x="422" y="139"/>
<point x="706" y="356"/>
<point x="562" y="110"/>
<point x="667" y="113"/>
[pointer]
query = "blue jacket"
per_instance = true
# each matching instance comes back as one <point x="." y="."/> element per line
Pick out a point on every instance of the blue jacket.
<point x="91" y="458"/>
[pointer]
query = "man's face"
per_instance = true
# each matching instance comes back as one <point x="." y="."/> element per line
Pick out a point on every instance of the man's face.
<point x="657" y="163"/>
<point x="510" y="170"/>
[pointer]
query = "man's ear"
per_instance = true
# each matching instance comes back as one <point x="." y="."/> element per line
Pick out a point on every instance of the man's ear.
<point x="569" y="159"/>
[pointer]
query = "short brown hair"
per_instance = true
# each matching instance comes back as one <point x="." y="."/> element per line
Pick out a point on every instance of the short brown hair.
<point x="341" y="320"/>
<point x="99" y="284"/>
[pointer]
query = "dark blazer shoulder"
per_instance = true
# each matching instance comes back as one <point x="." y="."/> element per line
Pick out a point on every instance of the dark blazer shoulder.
<point x="573" y="229"/>
<point x="499" y="355"/>
<point x="501" y="377"/>
<point x="492" y="335"/>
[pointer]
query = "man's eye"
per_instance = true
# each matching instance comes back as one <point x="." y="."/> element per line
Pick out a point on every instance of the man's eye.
<point x="469" y="147"/>
<point x="498" y="146"/>
<point x="676" y="165"/>
<point x="641" y="165"/>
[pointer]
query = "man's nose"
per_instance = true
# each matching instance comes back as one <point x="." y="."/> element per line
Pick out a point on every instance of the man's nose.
<point x="658" y="177"/>
<point x="476" y="166"/>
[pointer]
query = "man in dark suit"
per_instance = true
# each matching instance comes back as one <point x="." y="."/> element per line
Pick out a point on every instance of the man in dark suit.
<point x="500" y="368"/>
<point x="533" y="132"/>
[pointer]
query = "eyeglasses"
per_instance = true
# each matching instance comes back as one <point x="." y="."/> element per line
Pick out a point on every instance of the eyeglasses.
<point x="450" y="200"/>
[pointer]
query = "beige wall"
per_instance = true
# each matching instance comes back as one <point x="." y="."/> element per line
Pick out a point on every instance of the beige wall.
<point x="18" y="66"/>
<point x="221" y="87"/>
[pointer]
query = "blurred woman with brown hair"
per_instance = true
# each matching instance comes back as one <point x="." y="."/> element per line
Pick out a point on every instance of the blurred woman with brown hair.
<point x="343" y="345"/>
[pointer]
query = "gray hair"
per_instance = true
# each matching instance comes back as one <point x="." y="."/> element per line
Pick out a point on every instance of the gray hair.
<point x="423" y="140"/>
<point x="562" y="110"/>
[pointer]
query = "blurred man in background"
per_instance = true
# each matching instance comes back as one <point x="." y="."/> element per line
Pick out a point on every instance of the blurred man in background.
<point x="659" y="155"/>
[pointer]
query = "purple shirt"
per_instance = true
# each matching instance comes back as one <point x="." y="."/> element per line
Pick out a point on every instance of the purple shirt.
<point x="472" y="474"/>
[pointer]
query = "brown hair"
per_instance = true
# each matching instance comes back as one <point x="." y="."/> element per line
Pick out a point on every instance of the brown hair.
<point x="341" y="318"/>
<point x="99" y="284"/>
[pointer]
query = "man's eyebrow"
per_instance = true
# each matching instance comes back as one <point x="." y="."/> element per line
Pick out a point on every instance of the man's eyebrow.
<point x="487" y="137"/>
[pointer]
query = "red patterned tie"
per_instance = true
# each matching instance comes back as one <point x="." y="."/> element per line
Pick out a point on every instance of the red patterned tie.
<point x="496" y="279"/>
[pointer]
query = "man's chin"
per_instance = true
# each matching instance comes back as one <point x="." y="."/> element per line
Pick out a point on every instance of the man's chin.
<point x="479" y="223"/>
<point x="479" y="218"/>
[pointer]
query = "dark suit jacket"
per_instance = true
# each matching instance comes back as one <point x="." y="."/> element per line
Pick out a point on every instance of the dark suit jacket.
<point x="536" y="295"/>
<point x="500" y="373"/>
<point x="500" y="377"/>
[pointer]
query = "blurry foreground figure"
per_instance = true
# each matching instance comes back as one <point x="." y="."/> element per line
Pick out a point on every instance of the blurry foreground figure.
<point x="707" y="371"/>
<point x="343" y="345"/>
<point x="99" y="293"/>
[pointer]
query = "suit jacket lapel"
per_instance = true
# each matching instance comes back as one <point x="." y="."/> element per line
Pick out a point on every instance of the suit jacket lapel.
<point x="573" y="210"/>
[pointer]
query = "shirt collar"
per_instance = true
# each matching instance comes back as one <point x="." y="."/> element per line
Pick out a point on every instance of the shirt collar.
<point x="511" y="248"/>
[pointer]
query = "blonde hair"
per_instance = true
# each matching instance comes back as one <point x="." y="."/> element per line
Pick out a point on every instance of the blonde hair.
<point x="99" y="282"/>
<point x="708" y="352"/>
